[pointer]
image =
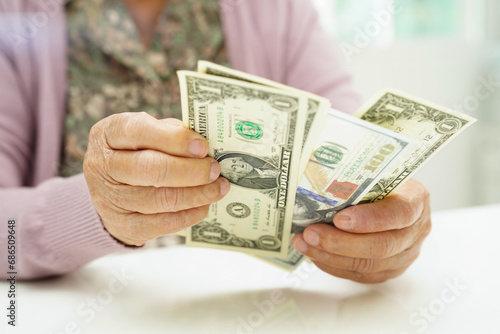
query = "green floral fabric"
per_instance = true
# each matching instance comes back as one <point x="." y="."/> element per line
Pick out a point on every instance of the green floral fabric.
<point x="110" y="71"/>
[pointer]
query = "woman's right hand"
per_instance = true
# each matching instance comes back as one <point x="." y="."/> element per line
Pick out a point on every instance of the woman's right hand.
<point x="149" y="177"/>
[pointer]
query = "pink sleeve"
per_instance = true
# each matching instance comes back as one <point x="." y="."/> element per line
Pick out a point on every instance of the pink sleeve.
<point x="57" y="227"/>
<point x="313" y="62"/>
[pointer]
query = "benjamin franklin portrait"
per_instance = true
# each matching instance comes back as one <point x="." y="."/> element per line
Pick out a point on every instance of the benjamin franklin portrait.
<point x="306" y="212"/>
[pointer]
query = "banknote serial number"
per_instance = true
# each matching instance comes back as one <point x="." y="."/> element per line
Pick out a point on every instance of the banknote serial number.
<point x="220" y="125"/>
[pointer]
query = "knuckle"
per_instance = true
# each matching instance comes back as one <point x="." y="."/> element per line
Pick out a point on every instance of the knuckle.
<point x="112" y="124"/>
<point x="426" y="195"/>
<point x="107" y="166"/>
<point x="94" y="130"/>
<point x="176" y="221"/>
<point x="413" y="256"/>
<point x="183" y="219"/>
<point x="88" y="163"/>
<point x="329" y="242"/>
<point x="130" y="230"/>
<point x="201" y="197"/>
<point x="151" y="165"/>
<point x="183" y="134"/>
<point x="118" y="198"/>
<point x="110" y="164"/>
<point x="164" y="170"/>
<point x="383" y="248"/>
<point x="203" y="170"/>
<point x="93" y="146"/>
<point x="362" y="265"/>
<point x="419" y="189"/>
<point x="130" y="227"/>
<point x="199" y="215"/>
<point x="131" y="126"/>
<point x="374" y="279"/>
<point x="210" y="192"/>
<point x="427" y="228"/>
<point x="407" y="209"/>
<point x="143" y="163"/>
<point x="203" y="212"/>
<point x="169" y="199"/>
<point x="130" y="122"/>
<point x="421" y="196"/>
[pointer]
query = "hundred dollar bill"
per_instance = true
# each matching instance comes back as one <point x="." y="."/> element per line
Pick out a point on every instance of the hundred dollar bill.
<point x="316" y="111"/>
<point x="348" y="159"/>
<point x="254" y="133"/>
<point x="430" y="125"/>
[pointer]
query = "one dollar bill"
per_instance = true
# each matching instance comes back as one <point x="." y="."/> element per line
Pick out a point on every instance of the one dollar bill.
<point x="317" y="106"/>
<point x="430" y="125"/>
<point x="255" y="134"/>
<point x="316" y="114"/>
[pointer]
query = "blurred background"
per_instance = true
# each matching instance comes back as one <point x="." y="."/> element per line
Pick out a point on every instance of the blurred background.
<point x="446" y="51"/>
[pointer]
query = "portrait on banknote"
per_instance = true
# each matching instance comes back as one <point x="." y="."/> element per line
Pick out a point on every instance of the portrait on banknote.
<point x="307" y="211"/>
<point x="249" y="171"/>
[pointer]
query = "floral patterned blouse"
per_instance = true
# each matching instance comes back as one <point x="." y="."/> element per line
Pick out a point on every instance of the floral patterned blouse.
<point x="110" y="71"/>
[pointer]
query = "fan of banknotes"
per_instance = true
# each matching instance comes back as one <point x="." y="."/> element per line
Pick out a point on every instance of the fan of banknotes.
<point x="293" y="161"/>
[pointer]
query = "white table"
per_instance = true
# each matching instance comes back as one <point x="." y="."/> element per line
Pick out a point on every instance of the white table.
<point x="194" y="290"/>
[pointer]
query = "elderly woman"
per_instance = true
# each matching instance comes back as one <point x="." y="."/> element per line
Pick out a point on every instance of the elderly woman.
<point x="85" y="173"/>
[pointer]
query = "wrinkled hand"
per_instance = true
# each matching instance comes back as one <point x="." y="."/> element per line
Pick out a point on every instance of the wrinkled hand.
<point x="371" y="243"/>
<point x="149" y="177"/>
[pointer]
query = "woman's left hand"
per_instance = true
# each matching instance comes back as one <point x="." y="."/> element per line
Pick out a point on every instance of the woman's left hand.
<point x="371" y="243"/>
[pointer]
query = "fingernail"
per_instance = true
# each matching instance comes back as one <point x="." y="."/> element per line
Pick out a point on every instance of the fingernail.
<point x="300" y="245"/>
<point x="224" y="186"/>
<point x="343" y="222"/>
<point x="198" y="148"/>
<point x="311" y="237"/>
<point x="215" y="171"/>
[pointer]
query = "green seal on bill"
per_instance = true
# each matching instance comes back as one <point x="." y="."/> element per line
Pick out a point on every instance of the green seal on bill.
<point x="328" y="154"/>
<point x="249" y="130"/>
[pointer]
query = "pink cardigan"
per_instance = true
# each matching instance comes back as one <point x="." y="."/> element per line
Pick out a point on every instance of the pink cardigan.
<point x="57" y="226"/>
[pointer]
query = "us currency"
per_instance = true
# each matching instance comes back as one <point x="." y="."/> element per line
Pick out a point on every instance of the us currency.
<point x="316" y="114"/>
<point x="348" y="159"/>
<point x="430" y="125"/>
<point x="316" y="110"/>
<point x="254" y="133"/>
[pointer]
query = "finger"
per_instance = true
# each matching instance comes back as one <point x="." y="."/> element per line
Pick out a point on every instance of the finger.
<point x="394" y="212"/>
<point x="379" y="245"/>
<point x="138" y="131"/>
<point x="136" y="229"/>
<point x="362" y="265"/>
<point x="151" y="200"/>
<point x="366" y="278"/>
<point x="153" y="168"/>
